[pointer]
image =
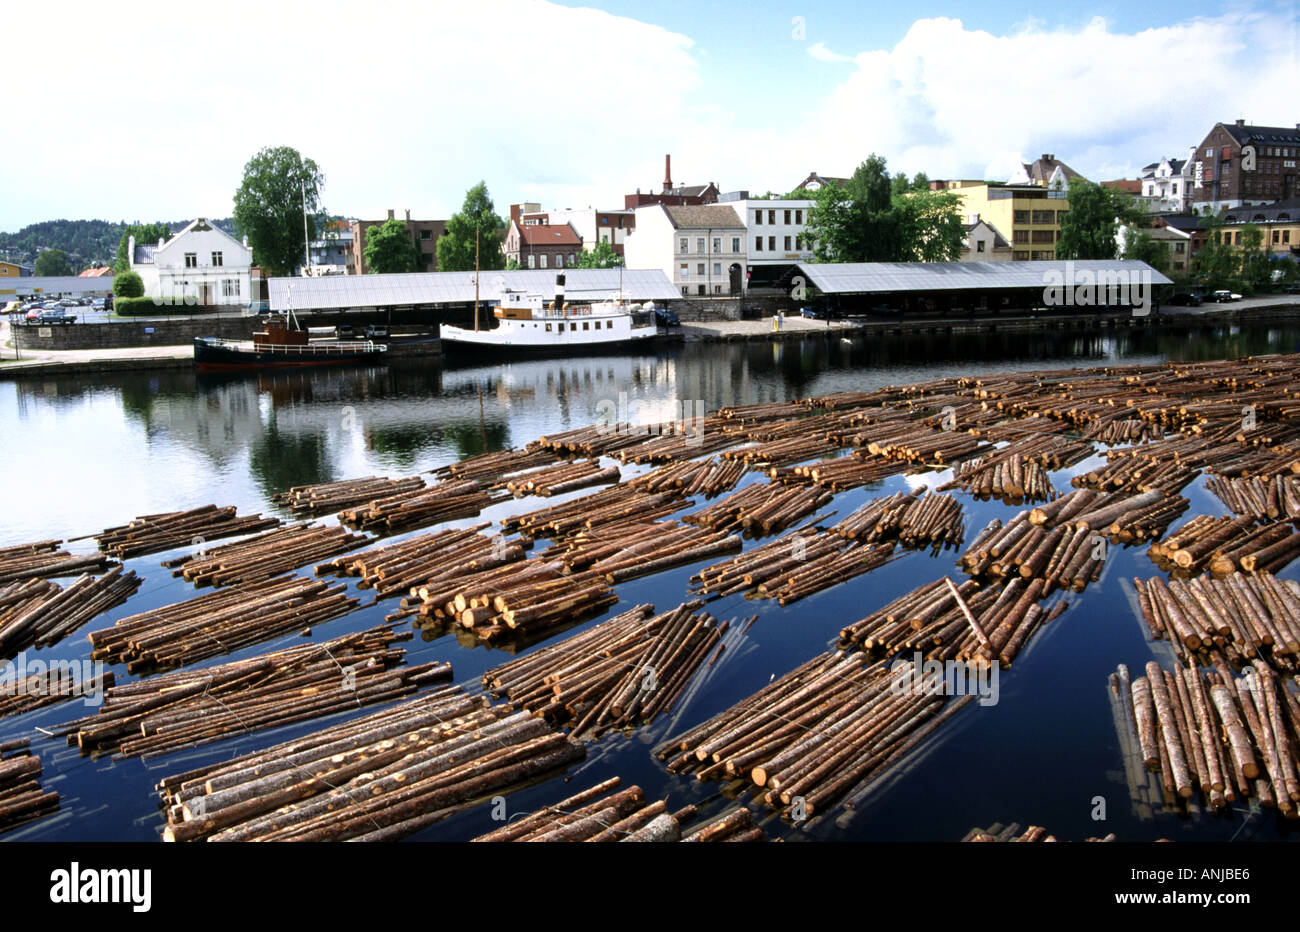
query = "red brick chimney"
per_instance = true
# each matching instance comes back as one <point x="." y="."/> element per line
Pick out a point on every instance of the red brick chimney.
<point x="668" y="173"/>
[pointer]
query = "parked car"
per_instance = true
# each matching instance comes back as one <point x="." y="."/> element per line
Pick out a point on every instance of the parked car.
<point x="55" y="315"/>
<point x="376" y="332"/>
<point x="1186" y="299"/>
<point x="69" y="302"/>
<point x="344" y="331"/>
<point x="1223" y="295"/>
<point x="667" y="317"/>
<point x="34" y="312"/>
<point x="815" y="313"/>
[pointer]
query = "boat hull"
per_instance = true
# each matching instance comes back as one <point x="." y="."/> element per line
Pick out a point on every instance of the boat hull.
<point x="211" y="356"/>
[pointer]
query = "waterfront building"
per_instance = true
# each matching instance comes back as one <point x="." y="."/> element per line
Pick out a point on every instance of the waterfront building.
<point x="701" y="248"/>
<point x="815" y="182"/>
<point x="424" y="233"/>
<point x="1046" y="171"/>
<point x="542" y="245"/>
<point x="1030" y="213"/>
<point x="201" y="264"/>
<point x="776" y="235"/>
<point x="1242" y="164"/>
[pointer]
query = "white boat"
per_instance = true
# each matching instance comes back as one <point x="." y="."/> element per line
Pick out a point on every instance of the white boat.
<point x="527" y="324"/>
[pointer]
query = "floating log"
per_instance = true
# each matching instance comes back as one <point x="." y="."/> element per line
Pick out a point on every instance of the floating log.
<point x="328" y="497"/>
<point x="38" y="613"/>
<point x="166" y="531"/>
<point x="21" y="798"/>
<point x="442" y="501"/>
<point x="264" y="555"/>
<point x="44" y="560"/>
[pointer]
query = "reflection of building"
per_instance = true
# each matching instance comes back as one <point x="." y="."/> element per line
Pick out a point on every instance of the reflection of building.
<point x="424" y="233"/>
<point x="702" y="249"/>
<point x="201" y="264"/>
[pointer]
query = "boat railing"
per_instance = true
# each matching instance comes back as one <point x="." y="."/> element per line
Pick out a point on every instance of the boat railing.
<point x="313" y="349"/>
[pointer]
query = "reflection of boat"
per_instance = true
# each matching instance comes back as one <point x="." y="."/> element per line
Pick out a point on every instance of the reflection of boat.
<point x="525" y="324"/>
<point x="283" y="343"/>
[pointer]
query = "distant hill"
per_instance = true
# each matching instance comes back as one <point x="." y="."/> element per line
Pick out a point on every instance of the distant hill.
<point x="87" y="242"/>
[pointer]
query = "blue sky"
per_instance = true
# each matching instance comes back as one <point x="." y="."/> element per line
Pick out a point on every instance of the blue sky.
<point x="413" y="101"/>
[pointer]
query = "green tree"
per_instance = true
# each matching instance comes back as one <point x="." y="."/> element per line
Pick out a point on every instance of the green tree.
<point x="53" y="262"/>
<point x="602" y="257"/>
<point x="1216" y="262"/>
<point x="128" y="284"/>
<point x="145" y="234"/>
<point x="477" y="215"/>
<point x="512" y="265"/>
<point x="269" y="205"/>
<point x="1256" y="270"/>
<point x="1089" y="227"/>
<point x="829" y="223"/>
<point x="930" y="227"/>
<point x="1139" y="244"/>
<point x="389" y="248"/>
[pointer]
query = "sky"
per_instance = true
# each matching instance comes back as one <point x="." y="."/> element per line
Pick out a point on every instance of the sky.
<point x="151" y="112"/>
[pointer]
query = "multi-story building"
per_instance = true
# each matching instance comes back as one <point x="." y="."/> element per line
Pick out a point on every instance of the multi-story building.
<point x="1166" y="185"/>
<point x="1280" y="224"/>
<point x="201" y="264"/>
<point x="677" y="195"/>
<point x="331" y="254"/>
<point x="984" y="243"/>
<point x="542" y="245"/>
<point x="424" y="233"/>
<point x="593" y="226"/>
<point x="776" y="234"/>
<point x="14" y="270"/>
<point x="1046" y="171"/>
<point x="1030" y="213"/>
<point x="701" y="248"/>
<point x="1245" y="164"/>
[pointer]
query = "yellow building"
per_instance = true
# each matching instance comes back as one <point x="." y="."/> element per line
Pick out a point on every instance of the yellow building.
<point x="1280" y="224"/>
<point x="12" y="270"/>
<point x="1028" y="213"/>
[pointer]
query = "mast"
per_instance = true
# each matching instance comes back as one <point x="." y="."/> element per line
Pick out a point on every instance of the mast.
<point x="476" y="231"/>
<point x="306" y="241"/>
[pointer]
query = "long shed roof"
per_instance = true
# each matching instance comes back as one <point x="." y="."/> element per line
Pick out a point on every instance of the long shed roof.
<point x="895" y="277"/>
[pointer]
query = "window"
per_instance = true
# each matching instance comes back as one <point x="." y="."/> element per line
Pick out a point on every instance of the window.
<point x="758" y="244"/>
<point x="1174" y="188"/>
<point x="572" y="263"/>
<point x="426" y="234"/>
<point x="758" y="217"/>
<point x="798" y="216"/>
<point x="717" y="244"/>
<point x="684" y="272"/>
<point x="548" y="328"/>
<point x="1020" y="236"/>
<point x="216" y="258"/>
<point x="683" y="244"/>
<point x="559" y="261"/>
<point x="532" y="261"/>
<point x="979" y="247"/>
<point x="1042" y="236"/>
<point x="717" y="289"/>
<point x="717" y="266"/>
<point x="573" y="326"/>
<point x="230" y="287"/>
<point x="701" y="289"/>
<point x="798" y="243"/>
<point x="1044" y="216"/>
<point x="191" y="260"/>
<point x="1020" y="216"/>
<point x="586" y="325"/>
<point x="1179" y="247"/>
<point x="771" y="244"/>
<point x="699" y="269"/>
<point x="771" y="216"/>
<point x="787" y="244"/>
<point x="787" y="218"/>
<point x="541" y="261"/>
<point x="735" y="244"/>
<point x="699" y="245"/>
<point x="1286" y="236"/>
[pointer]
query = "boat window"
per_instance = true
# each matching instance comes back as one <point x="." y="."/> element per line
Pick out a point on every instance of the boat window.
<point x="585" y="326"/>
<point x="548" y="328"/>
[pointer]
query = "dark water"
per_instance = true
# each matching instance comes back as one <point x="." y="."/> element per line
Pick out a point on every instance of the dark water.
<point x="86" y="453"/>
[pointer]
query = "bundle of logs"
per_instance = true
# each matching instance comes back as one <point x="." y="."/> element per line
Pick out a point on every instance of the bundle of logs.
<point x="1245" y="617"/>
<point x="329" y="497"/>
<point x="43" y="559"/>
<point x="914" y="521"/>
<point x="617" y="675"/>
<point x="51" y="684"/>
<point x="264" y="555"/>
<point x="760" y="508"/>
<point x="166" y="531"/>
<point x="1035" y="833"/>
<point x="792" y="567"/>
<point x="511" y="601"/>
<point x="697" y="437"/>
<point x="1123" y="430"/>
<point x="604" y="813"/>
<point x="1223" y="736"/>
<point x="219" y="623"/>
<point x="376" y="778"/>
<point x="442" y="501"/>
<point x="626" y="551"/>
<point x="704" y="477"/>
<point x="839" y="473"/>
<point x="822" y="732"/>
<point x="492" y="467"/>
<point x="555" y="480"/>
<point x="1278" y="497"/>
<point x="1066" y="557"/>
<point x="392" y="569"/>
<point x="1014" y="480"/>
<point x="1226" y="545"/>
<point x="187" y="709"/>
<point x="949" y="622"/>
<point x="1137" y="474"/>
<point x="38" y="613"/>
<point x="21" y="798"/>
<point x="614" y="505"/>
<point x="923" y="445"/>
<point x="598" y="439"/>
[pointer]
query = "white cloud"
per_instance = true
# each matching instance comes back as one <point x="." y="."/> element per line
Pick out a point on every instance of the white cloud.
<point x="819" y="51"/>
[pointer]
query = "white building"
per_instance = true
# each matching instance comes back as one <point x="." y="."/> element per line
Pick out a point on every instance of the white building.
<point x="984" y="243"/>
<point x="701" y="248"/>
<point x="201" y="263"/>
<point x="1166" y="185"/>
<point x="776" y="231"/>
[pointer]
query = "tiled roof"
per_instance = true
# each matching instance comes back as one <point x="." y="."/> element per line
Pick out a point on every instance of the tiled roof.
<point x="707" y="216"/>
<point x="549" y="234"/>
<point x="1280" y="135"/>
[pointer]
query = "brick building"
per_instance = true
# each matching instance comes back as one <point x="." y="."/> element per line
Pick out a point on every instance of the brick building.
<point x="424" y="233"/>
<point x="542" y="245"/>
<point x="1239" y="164"/>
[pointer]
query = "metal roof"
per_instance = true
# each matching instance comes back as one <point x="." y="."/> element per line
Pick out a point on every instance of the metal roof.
<point x="53" y="284"/>
<point x="890" y="277"/>
<point x="425" y="288"/>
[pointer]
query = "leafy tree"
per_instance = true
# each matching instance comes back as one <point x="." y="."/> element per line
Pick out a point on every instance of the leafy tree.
<point x="269" y="206"/>
<point x="1089" y="227"/>
<point x="1256" y="270"/>
<point x="128" y="284"/>
<point x="1216" y="262"/>
<point x="512" y="265"/>
<point x="144" y="233"/>
<point x="53" y="262"/>
<point x="828" y="227"/>
<point x="930" y="227"/>
<point x="602" y="257"/>
<point x="389" y="248"/>
<point x="456" y="246"/>
<point x="1140" y="245"/>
